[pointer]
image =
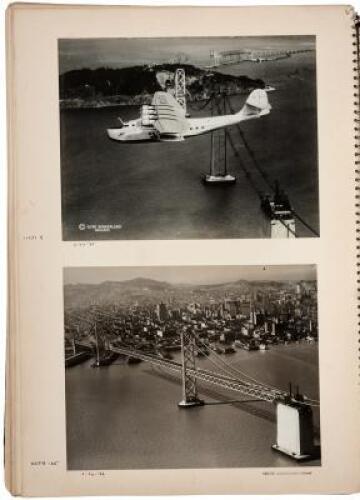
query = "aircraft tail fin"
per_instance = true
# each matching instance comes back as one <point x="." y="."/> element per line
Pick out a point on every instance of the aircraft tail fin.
<point x="257" y="104"/>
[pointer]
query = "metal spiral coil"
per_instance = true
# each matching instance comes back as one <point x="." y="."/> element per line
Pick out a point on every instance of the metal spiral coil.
<point x="356" y="70"/>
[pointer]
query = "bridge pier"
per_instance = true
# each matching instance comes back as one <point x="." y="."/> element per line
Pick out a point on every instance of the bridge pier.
<point x="188" y="368"/>
<point x="190" y="404"/>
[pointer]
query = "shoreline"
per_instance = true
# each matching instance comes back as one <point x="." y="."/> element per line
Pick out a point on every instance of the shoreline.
<point x="135" y="101"/>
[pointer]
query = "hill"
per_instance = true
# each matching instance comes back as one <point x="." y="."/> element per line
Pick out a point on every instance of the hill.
<point x="144" y="290"/>
<point x="137" y="84"/>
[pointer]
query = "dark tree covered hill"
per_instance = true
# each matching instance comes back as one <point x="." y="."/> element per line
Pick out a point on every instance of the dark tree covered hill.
<point x="135" y="84"/>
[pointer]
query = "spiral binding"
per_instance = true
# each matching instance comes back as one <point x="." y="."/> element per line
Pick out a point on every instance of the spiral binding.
<point x="356" y="69"/>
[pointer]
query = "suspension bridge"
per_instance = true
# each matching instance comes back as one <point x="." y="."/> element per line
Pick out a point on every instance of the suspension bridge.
<point x="258" y="178"/>
<point x="236" y="56"/>
<point x="227" y="377"/>
<point x="294" y="411"/>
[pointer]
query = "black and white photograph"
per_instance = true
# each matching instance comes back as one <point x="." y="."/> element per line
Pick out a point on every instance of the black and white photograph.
<point x="188" y="138"/>
<point x="191" y="367"/>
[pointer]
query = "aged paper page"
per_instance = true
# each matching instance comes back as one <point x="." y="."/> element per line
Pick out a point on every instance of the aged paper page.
<point x="70" y="182"/>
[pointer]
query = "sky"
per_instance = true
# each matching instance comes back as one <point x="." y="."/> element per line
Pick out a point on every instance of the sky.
<point x="189" y="274"/>
<point x="120" y="52"/>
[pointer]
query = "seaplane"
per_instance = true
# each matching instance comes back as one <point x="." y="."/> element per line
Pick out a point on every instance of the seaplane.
<point x="165" y="119"/>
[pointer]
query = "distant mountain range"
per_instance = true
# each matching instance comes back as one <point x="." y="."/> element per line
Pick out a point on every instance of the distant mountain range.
<point x="136" y="84"/>
<point x="145" y="290"/>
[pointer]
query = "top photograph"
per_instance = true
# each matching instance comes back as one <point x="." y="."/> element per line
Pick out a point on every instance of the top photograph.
<point x="188" y="138"/>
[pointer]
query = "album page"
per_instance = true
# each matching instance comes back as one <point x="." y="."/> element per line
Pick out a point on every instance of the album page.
<point x="183" y="295"/>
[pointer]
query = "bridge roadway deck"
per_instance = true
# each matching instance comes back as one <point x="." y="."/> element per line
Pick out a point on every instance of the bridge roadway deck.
<point x="249" y="389"/>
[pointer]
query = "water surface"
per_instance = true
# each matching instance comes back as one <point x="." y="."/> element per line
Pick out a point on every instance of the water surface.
<point x="154" y="190"/>
<point x="126" y="416"/>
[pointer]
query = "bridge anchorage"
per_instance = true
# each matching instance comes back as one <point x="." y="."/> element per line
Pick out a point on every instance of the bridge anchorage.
<point x="294" y="415"/>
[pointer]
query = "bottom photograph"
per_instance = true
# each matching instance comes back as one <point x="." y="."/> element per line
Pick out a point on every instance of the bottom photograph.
<point x="191" y="367"/>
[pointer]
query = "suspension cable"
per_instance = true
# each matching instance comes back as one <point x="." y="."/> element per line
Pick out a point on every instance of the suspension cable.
<point x="203" y="106"/>
<point x="227" y="374"/>
<point x="248" y="173"/>
<point x="243" y="374"/>
<point x="264" y="175"/>
<point x="260" y="385"/>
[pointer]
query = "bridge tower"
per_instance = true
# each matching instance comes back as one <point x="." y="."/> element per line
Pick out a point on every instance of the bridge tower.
<point x="180" y="88"/>
<point x="215" y="58"/>
<point x="97" y="347"/>
<point x="189" y="389"/>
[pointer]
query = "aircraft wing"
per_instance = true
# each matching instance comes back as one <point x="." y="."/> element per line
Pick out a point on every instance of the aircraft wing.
<point x="170" y="115"/>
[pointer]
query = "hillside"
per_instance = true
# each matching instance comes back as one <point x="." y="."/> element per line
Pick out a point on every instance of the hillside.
<point x="87" y="88"/>
<point x="144" y="290"/>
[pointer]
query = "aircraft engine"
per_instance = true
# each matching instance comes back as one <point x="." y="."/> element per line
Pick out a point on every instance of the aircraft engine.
<point x="148" y="115"/>
<point x="146" y="122"/>
<point x="148" y="110"/>
<point x="148" y="107"/>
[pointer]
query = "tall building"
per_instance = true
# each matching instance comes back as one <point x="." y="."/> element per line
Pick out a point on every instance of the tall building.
<point x="232" y="306"/>
<point x="162" y="312"/>
<point x="245" y="309"/>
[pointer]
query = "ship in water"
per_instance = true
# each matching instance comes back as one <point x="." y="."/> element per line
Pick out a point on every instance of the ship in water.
<point x="269" y="88"/>
<point x="77" y="358"/>
<point x="107" y="359"/>
<point x="133" y="361"/>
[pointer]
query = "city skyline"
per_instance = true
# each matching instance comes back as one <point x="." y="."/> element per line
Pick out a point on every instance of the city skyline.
<point x="130" y="345"/>
<point x="190" y="275"/>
